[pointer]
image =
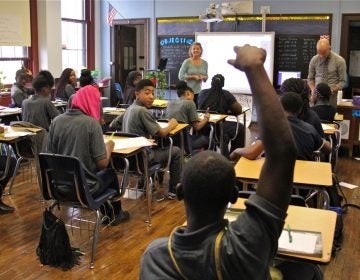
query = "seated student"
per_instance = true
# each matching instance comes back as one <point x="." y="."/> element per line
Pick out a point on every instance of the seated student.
<point x="138" y="119"/>
<point x="306" y="137"/>
<point x="300" y="87"/>
<point x="210" y="247"/>
<point x="66" y="85"/>
<point x="78" y="133"/>
<point x="184" y="110"/>
<point x="18" y="91"/>
<point x="129" y="91"/>
<point x="223" y="102"/>
<point x="38" y="109"/>
<point x="322" y="107"/>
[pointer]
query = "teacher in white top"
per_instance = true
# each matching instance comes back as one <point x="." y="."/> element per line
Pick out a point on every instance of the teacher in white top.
<point x="194" y="69"/>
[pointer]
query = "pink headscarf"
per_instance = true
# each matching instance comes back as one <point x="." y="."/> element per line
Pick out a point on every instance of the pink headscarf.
<point x="87" y="99"/>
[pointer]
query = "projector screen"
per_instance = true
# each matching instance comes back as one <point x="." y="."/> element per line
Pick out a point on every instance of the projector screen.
<point x="218" y="48"/>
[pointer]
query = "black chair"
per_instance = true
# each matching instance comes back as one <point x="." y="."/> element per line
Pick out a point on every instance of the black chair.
<point x="120" y="96"/>
<point x="64" y="183"/>
<point x="133" y="166"/>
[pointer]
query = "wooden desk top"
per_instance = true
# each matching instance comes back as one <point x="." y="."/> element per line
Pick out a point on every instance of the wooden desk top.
<point x="123" y="152"/>
<point x="329" y="128"/>
<point x="214" y="118"/>
<point x="348" y="104"/>
<point x="309" y="219"/>
<point x="338" y="117"/>
<point x="12" y="139"/>
<point x="176" y="130"/>
<point x="305" y="173"/>
<point x="159" y="104"/>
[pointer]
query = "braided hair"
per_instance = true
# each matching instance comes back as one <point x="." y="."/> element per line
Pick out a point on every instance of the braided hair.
<point x="215" y="99"/>
<point x="300" y="87"/>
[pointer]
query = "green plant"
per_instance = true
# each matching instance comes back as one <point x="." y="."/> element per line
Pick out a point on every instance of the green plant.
<point x="159" y="80"/>
<point x="2" y="77"/>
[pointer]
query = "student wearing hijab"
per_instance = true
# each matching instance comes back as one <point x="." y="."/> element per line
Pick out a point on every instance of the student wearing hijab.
<point x="78" y="133"/>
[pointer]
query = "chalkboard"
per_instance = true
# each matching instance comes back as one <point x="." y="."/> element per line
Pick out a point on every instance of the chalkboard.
<point x="175" y="49"/>
<point x="293" y="53"/>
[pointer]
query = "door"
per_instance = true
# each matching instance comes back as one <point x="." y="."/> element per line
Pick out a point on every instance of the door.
<point x="125" y="47"/>
<point x="350" y="51"/>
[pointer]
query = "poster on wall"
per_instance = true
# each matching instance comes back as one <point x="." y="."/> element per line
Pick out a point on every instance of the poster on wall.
<point x="344" y="128"/>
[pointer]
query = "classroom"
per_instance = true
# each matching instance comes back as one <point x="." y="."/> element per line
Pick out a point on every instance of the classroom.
<point x="115" y="114"/>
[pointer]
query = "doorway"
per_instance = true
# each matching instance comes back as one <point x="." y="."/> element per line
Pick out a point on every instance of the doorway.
<point x="129" y="45"/>
<point x="350" y="51"/>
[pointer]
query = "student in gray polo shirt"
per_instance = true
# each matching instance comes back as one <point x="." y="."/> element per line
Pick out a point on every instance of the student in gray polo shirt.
<point x="38" y="109"/>
<point x="138" y="120"/>
<point x="210" y="247"/>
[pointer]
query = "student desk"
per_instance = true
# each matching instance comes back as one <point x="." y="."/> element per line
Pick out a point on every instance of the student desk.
<point x="179" y="129"/>
<point x="125" y="154"/>
<point x="110" y="113"/>
<point x="307" y="175"/>
<point x="9" y="141"/>
<point x="159" y="105"/>
<point x="217" y="119"/>
<point x="308" y="219"/>
<point x="6" y="112"/>
<point x="338" y="117"/>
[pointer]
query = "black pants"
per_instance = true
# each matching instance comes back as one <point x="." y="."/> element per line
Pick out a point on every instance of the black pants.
<point x="8" y="176"/>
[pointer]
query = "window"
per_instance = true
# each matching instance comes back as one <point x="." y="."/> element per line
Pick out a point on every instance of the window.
<point x="75" y="25"/>
<point x="12" y="58"/>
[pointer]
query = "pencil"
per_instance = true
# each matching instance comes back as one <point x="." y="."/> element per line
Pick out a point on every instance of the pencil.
<point x="112" y="135"/>
<point x="289" y="232"/>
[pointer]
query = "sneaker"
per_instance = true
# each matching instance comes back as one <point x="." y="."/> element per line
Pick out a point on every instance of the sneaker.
<point x="121" y="217"/>
<point x="171" y="196"/>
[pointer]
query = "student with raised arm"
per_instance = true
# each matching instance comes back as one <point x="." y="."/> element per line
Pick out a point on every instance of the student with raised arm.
<point x="209" y="247"/>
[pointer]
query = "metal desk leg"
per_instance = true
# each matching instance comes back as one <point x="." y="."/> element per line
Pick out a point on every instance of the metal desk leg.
<point x="148" y="187"/>
<point x="221" y="126"/>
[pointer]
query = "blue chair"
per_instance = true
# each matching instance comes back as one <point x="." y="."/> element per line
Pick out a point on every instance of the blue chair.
<point x="120" y="96"/>
<point x="64" y="183"/>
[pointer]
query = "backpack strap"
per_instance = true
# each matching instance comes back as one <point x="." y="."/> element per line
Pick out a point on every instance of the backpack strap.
<point x="172" y="255"/>
<point x="216" y="253"/>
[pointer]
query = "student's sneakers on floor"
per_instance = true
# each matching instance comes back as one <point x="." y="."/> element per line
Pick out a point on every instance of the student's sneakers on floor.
<point x="171" y="196"/>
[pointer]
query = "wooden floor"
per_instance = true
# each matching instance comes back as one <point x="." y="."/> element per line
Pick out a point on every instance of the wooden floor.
<point x="120" y="248"/>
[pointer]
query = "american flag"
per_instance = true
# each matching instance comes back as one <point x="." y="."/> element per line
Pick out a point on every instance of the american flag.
<point x="112" y="13"/>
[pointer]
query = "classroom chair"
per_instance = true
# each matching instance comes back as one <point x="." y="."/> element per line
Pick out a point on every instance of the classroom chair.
<point x="120" y="96"/>
<point x="64" y="184"/>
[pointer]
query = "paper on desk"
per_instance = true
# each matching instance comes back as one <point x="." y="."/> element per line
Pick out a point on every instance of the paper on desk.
<point x="159" y="102"/>
<point x="163" y="124"/>
<point x="347" y="185"/>
<point x="109" y="109"/>
<point x="14" y="134"/>
<point x="212" y="117"/>
<point x="11" y="110"/>
<point x="131" y="143"/>
<point x="327" y="127"/>
<point x="302" y="242"/>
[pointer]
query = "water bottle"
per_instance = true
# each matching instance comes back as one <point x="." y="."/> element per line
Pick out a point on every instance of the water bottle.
<point x="339" y="97"/>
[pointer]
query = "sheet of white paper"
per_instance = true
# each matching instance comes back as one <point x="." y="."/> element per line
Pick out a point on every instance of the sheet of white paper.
<point x="302" y="242"/>
<point x="212" y="117"/>
<point x="326" y="127"/>
<point x="109" y="109"/>
<point x="163" y="124"/>
<point x="131" y="143"/>
<point x="11" y="110"/>
<point x="14" y="134"/>
<point x="347" y="185"/>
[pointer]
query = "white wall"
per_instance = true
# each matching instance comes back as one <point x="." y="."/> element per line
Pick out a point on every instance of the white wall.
<point x="174" y="8"/>
<point x="49" y="36"/>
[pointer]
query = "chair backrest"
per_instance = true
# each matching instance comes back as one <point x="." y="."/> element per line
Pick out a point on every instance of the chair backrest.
<point x="118" y="91"/>
<point x="63" y="180"/>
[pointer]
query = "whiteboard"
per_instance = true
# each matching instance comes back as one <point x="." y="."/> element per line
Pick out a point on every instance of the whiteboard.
<point x="218" y="48"/>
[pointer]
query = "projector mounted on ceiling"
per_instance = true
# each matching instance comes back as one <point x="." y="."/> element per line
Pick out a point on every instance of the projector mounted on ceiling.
<point x="213" y="14"/>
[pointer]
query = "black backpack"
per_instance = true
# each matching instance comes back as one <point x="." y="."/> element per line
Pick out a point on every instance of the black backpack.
<point x="54" y="246"/>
